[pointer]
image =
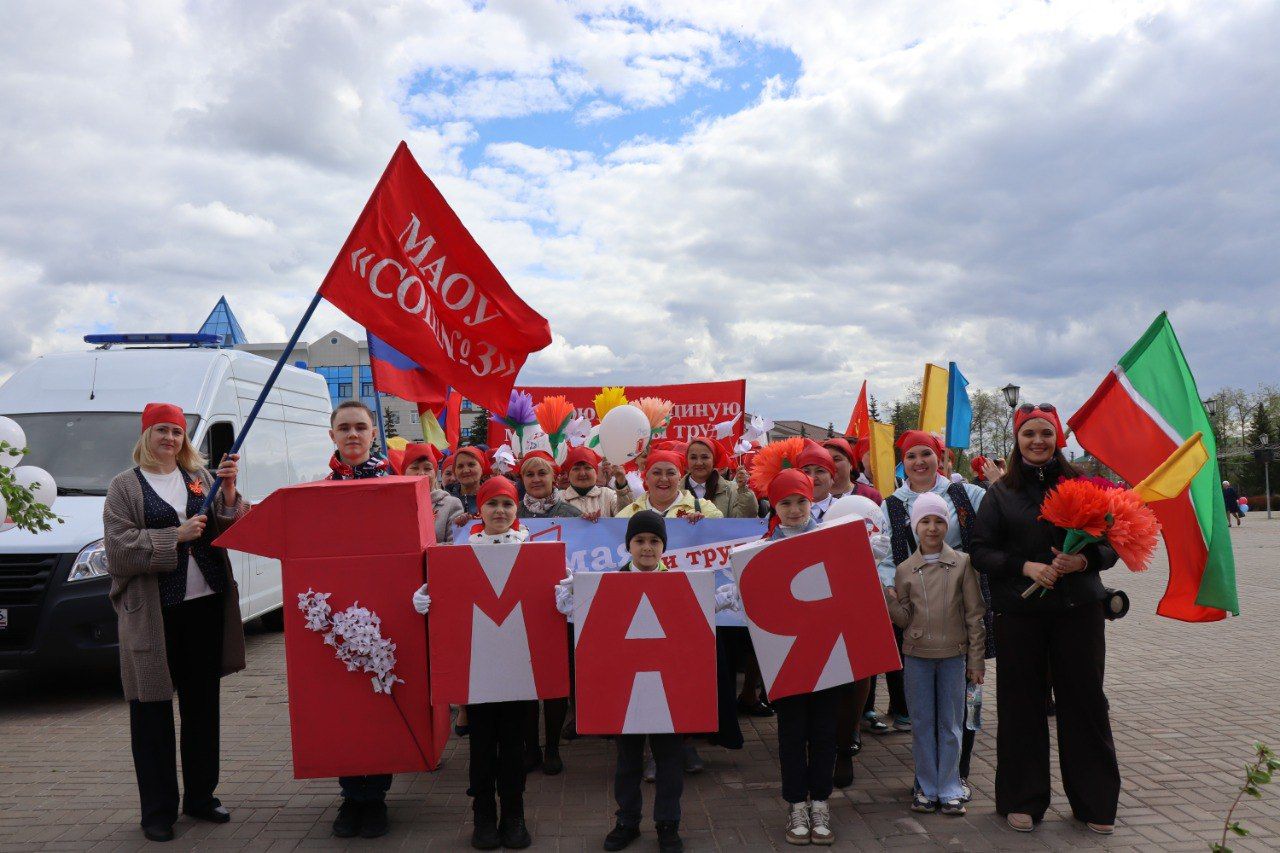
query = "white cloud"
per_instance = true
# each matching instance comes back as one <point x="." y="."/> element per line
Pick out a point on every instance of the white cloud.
<point x="1018" y="187"/>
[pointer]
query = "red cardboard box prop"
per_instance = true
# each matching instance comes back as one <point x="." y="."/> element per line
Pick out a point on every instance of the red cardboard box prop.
<point x="352" y="555"/>
<point x="645" y="652"/>
<point x="496" y="635"/>
<point x="815" y="610"/>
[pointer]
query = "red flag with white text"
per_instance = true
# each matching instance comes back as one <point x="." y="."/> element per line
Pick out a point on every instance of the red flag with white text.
<point x="412" y="274"/>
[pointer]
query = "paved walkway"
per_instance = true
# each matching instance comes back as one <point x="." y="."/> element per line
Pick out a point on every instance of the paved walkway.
<point x="1187" y="702"/>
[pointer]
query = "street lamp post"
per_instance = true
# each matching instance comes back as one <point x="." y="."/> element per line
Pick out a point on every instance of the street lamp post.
<point x="1265" y="452"/>
<point x="1011" y="393"/>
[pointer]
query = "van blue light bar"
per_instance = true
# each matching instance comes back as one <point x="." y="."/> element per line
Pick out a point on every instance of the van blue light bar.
<point x="190" y="338"/>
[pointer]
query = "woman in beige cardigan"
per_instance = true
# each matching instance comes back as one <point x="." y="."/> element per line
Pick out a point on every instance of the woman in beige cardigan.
<point x="178" y="610"/>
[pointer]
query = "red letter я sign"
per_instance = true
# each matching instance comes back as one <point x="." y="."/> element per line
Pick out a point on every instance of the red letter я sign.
<point x="645" y="652"/>
<point x="495" y="633"/>
<point x="412" y="274"/>
<point x="815" y="610"/>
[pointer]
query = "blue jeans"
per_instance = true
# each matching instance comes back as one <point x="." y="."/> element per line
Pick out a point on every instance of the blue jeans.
<point x="935" y="698"/>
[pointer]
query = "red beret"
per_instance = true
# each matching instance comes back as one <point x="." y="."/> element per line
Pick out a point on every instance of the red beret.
<point x="917" y="437"/>
<point x="539" y="454"/>
<point x="815" y="454"/>
<point x="496" y="487"/>
<point x="788" y="482"/>
<point x="162" y="413"/>
<point x="657" y="456"/>
<point x="582" y="454"/>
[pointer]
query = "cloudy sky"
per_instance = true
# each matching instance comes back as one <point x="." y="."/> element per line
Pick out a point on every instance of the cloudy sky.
<point x="800" y="193"/>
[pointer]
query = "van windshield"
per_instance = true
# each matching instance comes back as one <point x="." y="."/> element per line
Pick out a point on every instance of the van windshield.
<point x="82" y="450"/>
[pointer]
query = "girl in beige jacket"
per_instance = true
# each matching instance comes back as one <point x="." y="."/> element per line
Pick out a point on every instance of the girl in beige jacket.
<point x="938" y="604"/>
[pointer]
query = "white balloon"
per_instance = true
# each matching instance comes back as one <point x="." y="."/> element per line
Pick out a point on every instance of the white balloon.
<point x="45" y="491"/>
<point x="624" y="434"/>
<point x="11" y="432"/>
<point x="863" y="507"/>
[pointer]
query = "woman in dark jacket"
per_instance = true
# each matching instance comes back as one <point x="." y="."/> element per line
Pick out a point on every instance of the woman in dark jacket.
<point x="1055" y="637"/>
<point x="178" y="610"/>
<point x="541" y="500"/>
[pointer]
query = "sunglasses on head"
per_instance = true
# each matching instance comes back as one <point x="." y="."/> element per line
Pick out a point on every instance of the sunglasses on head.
<point x="1028" y="408"/>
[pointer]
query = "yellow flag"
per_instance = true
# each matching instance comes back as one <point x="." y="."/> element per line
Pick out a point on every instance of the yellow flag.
<point x="933" y="399"/>
<point x="397" y="442"/>
<point x="1172" y="476"/>
<point x="882" y="457"/>
<point x="432" y="433"/>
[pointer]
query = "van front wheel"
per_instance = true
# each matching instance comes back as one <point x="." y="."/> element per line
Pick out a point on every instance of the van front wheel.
<point x="273" y="621"/>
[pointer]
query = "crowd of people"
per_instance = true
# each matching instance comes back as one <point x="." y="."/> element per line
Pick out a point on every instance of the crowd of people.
<point x="955" y="560"/>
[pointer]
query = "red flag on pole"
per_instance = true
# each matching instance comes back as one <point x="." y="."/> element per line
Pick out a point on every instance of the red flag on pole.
<point x="860" y="420"/>
<point x="412" y="274"/>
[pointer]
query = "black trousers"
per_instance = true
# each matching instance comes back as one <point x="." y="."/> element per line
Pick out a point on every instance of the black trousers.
<point x="896" y="686"/>
<point x="497" y="756"/>
<point x="733" y="647"/>
<point x="365" y="789"/>
<point x="807" y="742"/>
<point x="193" y="642"/>
<point x="668" y="756"/>
<point x="1069" y="650"/>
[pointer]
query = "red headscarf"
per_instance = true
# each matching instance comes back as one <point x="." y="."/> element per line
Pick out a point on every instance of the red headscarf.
<point x="1020" y="417"/>
<point x="860" y="450"/>
<point x="448" y="462"/>
<point x="476" y="454"/>
<point x="790" y="481"/>
<point x="415" y="451"/>
<point x="978" y="464"/>
<point x="816" y="454"/>
<point x="581" y="454"/>
<point x="656" y="456"/>
<point x="840" y="445"/>
<point x="495" y="487"/>
<point x="154" y="414"/>
<point x="539" y="454"/>
<point x="719" y="456"/>
<point x="917" y="438"/>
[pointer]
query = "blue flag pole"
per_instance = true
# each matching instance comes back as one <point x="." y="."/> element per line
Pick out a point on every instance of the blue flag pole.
<point x="262" y="397"/>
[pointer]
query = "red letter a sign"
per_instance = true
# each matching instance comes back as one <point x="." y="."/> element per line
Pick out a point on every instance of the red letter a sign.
<point x="412" y="274"/>
<point x="495" y="633"/>
<point x="815" y="610"/>
<point x="645" y="652"/>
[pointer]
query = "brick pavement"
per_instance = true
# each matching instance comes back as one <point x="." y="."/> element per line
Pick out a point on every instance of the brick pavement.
<point x="1187" y="701"/>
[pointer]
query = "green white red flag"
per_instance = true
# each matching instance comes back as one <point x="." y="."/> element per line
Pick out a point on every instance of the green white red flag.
<point x="1145" y="409"/>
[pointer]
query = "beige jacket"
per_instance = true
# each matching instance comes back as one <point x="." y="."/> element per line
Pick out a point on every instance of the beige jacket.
<point x="135" y="555"/>
<point x="730" y="500"/>
<point x="683" y="505"/>
<point x="601" y="499"/>
<point x="939" y="608"/>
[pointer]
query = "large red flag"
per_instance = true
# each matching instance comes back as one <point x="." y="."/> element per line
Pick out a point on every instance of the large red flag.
<point x="413" y="275"/>
<point x="860" y="420"/>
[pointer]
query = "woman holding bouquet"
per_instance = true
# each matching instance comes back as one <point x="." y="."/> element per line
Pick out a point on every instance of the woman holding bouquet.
<point x="1053" y="637"/>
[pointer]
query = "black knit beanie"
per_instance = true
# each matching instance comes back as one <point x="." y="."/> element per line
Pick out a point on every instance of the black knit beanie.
<point x="647" y="521"/>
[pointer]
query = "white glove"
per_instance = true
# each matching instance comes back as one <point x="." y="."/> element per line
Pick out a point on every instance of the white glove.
<point x="564" y="596"/>
<point x="881" y="545"/>
<point x="422" y="601"/>
<point x="727" y="598"/>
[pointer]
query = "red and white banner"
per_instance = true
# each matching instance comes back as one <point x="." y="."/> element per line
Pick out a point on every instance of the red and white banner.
<point x="495" y="633"/>
<point x="412" y="274"/>
<point x="698" y="406"/>
<point x="645" y="652"/>
<point x="815" y="610"/>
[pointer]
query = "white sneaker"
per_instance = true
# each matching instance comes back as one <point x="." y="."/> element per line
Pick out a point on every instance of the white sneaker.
<point x="820" y="823"/>
<point x="798" y="824"/>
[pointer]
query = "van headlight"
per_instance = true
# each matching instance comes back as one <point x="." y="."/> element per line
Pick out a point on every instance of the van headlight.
<point x="91" y="562"/>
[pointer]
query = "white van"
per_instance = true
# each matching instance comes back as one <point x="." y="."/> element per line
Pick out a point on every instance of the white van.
<point x="80" y="412"/>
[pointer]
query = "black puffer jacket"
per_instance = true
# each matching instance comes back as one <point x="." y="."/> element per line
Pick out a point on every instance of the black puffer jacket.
<point x="1009" y="533"/>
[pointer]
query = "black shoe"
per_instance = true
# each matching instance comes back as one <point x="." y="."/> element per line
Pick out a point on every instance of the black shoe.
<point x="158" y="832"/>
<point x="620" y="836"/>
<point x="215" y="813"/>
<point x="570" y="730"/>
<point x="754" y="709"/>
<point x="350" y="816"/>
<point x="843" y="777"/>
<point x="856" y="746"/>
<point x="373" y="823"/>
<point x="552" y="765"/>
<point x="532" y="759"/>
<point x="669" y="836"/>
<point x="514" y="834"/>
<point x="485" y="835"/>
